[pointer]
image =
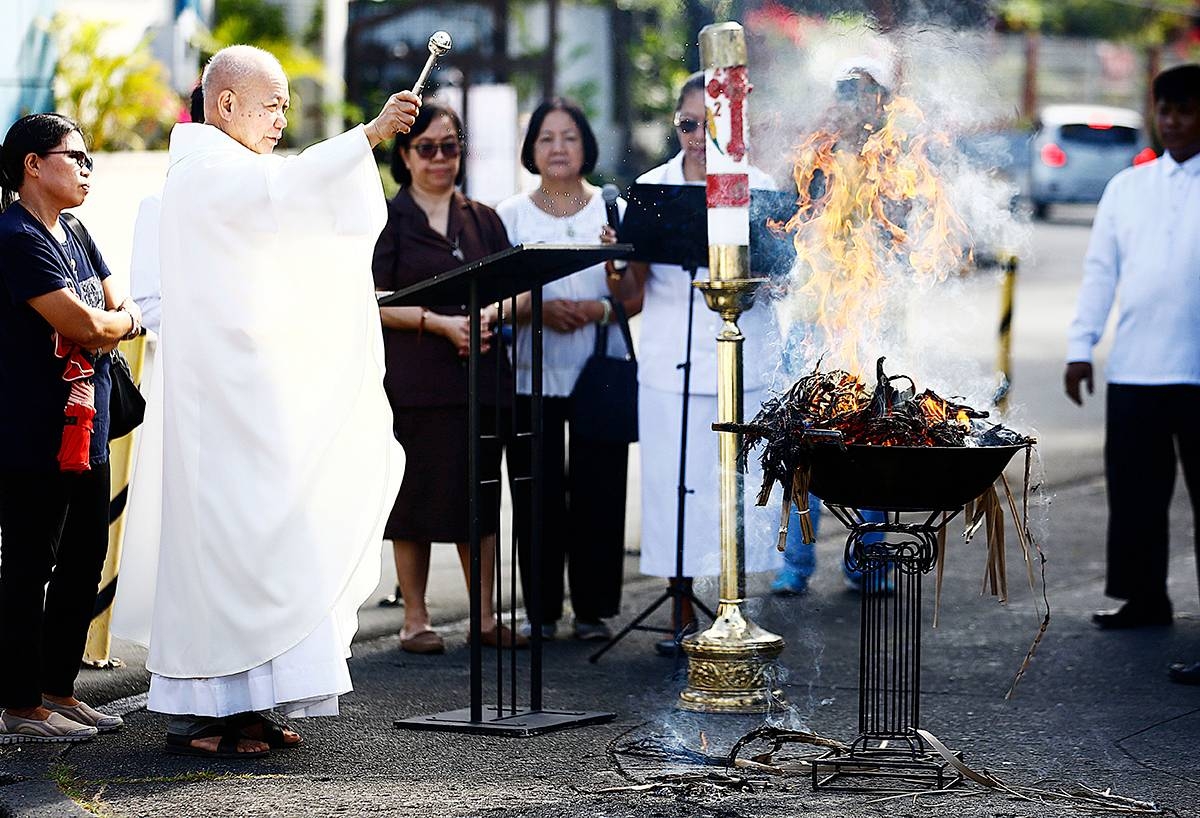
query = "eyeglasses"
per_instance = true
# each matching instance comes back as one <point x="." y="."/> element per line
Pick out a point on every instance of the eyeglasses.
<point x="685" y="124"/>
<point x="427" y="150"/>
<point x="80" y="158"/>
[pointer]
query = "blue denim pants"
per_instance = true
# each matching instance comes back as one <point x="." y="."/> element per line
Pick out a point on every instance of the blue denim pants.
<point x="800" y="558"/>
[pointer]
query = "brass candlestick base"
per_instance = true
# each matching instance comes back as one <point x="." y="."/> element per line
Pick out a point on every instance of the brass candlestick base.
<point x="731" y="666"/>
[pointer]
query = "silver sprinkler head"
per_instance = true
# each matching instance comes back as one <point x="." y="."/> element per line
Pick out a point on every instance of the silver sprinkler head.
<point x="440" y="43"/>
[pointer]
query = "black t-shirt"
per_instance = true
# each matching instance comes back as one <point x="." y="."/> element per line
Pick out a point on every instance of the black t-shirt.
<point x="33" y="394"/>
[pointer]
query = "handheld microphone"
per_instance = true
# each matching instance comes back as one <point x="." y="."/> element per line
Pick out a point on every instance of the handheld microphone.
<point x="610" y="193"/>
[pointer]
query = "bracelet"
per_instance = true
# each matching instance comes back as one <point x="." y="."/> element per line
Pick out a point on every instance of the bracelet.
<point x="606" y="316"/>
<point x="617" y="272"/>
<point x="133" y="327"/>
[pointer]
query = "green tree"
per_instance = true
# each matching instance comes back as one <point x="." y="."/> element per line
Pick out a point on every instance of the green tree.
<point x="121" y="100"/>
<point x="1144" y="23"/>
<point x="261" y="24"/>
<point x="254" y="22"/>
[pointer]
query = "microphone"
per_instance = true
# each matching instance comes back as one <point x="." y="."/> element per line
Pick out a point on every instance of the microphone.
<point x="610" y="193"/>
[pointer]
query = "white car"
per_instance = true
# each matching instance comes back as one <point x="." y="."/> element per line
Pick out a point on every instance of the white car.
<point x="1076" y="149"/>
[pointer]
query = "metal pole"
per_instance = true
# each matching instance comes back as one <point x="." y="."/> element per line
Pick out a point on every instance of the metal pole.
<point x="535" y="494"/>
<point x="333" y="47"/>
<point x="1004" y="355"/>
<point x="473" y="501"/>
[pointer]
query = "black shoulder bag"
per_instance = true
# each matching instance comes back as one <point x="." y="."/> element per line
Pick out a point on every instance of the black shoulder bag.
<point x="126" y="406"/>
<point x="604" y="402"/>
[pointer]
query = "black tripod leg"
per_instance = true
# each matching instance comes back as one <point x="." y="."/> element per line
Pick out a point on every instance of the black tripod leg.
<point x="675" y="591"/>
<point x="698" y="604"/>
<point x="595" y="657"/>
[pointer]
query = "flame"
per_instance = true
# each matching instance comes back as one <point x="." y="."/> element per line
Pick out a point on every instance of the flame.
<point x="703" y="742"/>
<point x="872" y="211"/>
<point x="939" y="410"/>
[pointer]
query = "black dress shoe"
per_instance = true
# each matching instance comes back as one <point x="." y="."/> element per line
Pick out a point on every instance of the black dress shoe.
<point x="1134" y="614"/>
<point x="1184" y="674"/>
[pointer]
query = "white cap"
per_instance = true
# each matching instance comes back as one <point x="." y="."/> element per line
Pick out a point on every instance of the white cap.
<point x="855" y="67"/>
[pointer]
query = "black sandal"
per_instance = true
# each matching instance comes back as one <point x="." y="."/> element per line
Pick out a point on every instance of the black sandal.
<point x="231" y="735"/>
<point x="272" y="732"/>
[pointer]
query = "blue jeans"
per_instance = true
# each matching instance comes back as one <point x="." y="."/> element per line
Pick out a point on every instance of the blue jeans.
<point x="800" y="558"/>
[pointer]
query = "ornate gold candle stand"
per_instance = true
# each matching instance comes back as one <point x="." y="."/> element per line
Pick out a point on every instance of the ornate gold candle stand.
<point x="730" y="665"/>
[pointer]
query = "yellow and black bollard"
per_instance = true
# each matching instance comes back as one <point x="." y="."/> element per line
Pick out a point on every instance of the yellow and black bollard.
<point x="99" y="642"/>
<point x="1004" y="353"/>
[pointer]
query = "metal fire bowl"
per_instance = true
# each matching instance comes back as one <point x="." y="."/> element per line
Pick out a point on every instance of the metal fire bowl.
<point x="905" y="478"/>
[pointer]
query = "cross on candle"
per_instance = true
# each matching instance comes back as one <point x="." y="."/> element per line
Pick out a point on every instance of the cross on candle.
<point x="732" y="83"/>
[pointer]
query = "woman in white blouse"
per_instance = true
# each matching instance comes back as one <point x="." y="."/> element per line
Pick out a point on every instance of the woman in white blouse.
<point x="584" y="481"/>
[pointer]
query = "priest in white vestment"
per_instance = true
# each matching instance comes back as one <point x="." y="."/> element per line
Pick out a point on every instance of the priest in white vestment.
<point x="267" y="465"/>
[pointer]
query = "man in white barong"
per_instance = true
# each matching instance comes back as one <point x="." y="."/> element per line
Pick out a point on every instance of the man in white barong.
<point x="267" y="465"/>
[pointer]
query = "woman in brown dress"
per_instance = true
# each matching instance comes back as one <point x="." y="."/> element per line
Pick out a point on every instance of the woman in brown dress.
<point x="433" y="228"/>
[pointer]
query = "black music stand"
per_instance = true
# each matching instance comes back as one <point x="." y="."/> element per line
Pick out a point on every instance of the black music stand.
<point x="500" y="276"/>
<point x="668" y="224"/>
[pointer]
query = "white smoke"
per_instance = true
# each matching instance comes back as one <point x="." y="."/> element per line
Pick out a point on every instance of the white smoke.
<point x="943" y="334"/>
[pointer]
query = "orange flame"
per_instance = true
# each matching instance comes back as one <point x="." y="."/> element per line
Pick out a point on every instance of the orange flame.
<point x="938" y="410"/>
<point x="872" y="211"/>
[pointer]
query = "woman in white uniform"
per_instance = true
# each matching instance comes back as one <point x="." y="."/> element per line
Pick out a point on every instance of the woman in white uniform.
<point x="666" y="290"/>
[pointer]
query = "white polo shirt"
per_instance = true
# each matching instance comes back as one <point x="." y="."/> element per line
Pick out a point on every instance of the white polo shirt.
<point x="1144" y="253"/>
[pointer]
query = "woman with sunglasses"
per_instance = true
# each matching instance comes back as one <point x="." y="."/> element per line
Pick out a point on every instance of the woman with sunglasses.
<point x="60" y="315"/>
<point x="583" y="489"/>
<point x="433" y="228"/>
<point x="664" y="291"/>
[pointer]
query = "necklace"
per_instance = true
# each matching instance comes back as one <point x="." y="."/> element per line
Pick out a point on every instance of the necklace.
<point x="574" y="206"/>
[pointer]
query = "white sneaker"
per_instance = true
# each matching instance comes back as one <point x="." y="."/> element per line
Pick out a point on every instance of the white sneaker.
<point x="55" y="728"/>
<point x="87" y="715"/>
<point x="549" y="629"/>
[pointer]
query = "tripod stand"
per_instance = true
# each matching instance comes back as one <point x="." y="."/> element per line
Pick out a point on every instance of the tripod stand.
<point x="676" y="591"/>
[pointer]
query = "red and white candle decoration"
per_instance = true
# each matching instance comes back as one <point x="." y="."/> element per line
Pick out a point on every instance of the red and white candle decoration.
<point x="728" y="185"/>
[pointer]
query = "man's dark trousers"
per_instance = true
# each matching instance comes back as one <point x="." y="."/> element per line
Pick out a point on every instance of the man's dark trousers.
<point x="1149" y="431"/>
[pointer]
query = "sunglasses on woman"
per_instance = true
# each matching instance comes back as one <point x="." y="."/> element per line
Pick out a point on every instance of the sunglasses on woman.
<point x="80" y="158"/>
<point x="427" y="150"/>
<point x="686" y="124"/>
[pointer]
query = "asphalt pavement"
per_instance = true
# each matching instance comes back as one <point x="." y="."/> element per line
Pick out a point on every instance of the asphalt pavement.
<point x="1094" y="710"/>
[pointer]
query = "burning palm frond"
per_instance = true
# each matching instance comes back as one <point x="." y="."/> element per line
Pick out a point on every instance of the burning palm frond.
<point x="839" y="405"/>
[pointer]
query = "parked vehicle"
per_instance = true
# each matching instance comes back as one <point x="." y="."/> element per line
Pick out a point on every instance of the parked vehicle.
<point x="1076" y="149"/>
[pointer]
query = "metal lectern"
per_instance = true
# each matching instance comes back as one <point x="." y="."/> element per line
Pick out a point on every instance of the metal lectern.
<point x="494" y="279"/>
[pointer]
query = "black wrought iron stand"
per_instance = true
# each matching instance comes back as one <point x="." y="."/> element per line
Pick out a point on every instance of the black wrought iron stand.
<point x="889" y="753"/>
<point x="492" y="280"/>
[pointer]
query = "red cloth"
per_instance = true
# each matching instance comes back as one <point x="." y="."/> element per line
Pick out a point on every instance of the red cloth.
<point x="74" y="452"/>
